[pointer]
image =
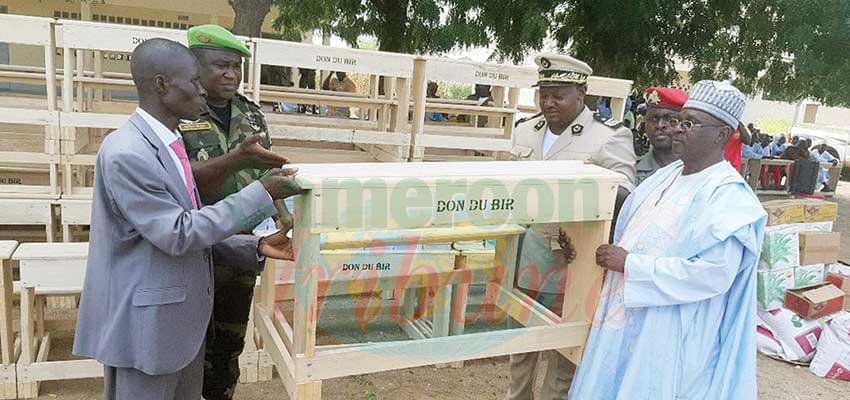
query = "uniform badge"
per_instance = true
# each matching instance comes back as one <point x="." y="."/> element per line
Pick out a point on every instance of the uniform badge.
<point x="545" y="63"/>
<point x="539" y="124"/>
<point x="203" y="155"/>
<point x="653" y="98"/>
<point x="203" y="38"/>
<point x="576" y="129"/>
<point x="194" y="126"/>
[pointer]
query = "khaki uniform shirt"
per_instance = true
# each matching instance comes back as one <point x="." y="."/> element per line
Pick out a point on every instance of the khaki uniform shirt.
<point x="646" y="166"/>
<point x="206" y="139"/>
<point x="606" y="143"/>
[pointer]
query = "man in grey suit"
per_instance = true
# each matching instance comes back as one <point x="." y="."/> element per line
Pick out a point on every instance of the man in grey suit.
<point x="147" y="296"/>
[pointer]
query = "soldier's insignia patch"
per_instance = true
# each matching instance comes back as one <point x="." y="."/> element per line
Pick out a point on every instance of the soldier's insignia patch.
<point x="194" y="126"/>
<point x="545" y="63"/>
<point x="653" y="98"/>
<point x="576" y="129"/>
<point x="613" y="123"/>
<point x="203" y="155"/>
<point x="539" y="124"/>
<point x="203" y="38"/>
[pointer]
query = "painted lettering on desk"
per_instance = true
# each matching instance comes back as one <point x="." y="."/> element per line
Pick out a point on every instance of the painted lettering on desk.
<point x="378" y="266"/>
<point x="492" y="75"/>
<point x="506" y="204"/>
<point x="336" y="60"/>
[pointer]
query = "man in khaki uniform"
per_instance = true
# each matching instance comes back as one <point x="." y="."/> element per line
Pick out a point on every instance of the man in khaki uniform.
<point x="565" y="130"/>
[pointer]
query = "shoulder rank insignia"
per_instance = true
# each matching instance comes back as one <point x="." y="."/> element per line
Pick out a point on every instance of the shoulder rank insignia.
<point x="203" y="155"/>
<point x="194" y="126"/>
<point x="539" y="124"/>
<point x="576" y="129"/>
<point x="611" y="123"/>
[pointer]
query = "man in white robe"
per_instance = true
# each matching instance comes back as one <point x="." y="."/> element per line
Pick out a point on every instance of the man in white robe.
<point x="676" y="316"/>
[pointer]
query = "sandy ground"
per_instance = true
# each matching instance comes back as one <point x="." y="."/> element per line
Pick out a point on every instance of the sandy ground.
<point x="488" y="379"/>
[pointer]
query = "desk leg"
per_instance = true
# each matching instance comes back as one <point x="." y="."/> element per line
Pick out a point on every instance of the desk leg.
<point x="305" y="313"/>
<point x="584" y="277"/>
<point x="7" y="334"/>
<point x="28" y="340"/>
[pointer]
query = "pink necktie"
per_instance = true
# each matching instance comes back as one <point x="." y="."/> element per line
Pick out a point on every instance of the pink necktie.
<point x="180" y="150"/>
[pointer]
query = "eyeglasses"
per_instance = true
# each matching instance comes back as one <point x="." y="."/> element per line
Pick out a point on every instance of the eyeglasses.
<point x="688" y="125"/>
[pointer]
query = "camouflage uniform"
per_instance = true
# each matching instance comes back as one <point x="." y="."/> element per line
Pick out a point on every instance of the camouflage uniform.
<point x="234" y="288"/>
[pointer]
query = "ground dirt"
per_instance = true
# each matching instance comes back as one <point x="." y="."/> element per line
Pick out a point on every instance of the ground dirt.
<point x="488" y="379"/>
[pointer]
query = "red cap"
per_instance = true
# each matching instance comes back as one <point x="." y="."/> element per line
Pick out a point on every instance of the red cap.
<point x="663" y="97"/>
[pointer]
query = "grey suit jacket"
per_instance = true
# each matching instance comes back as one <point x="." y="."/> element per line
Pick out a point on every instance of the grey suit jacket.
<point x="147" y="296"/>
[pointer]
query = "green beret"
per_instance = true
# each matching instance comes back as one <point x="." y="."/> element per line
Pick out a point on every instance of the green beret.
<point x="216" y="37"/>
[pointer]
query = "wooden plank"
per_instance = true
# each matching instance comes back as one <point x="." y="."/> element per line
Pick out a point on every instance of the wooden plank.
<point x="26" y="30"/>
<point x="277" y="52"/>
<point x="276" y="349"/>
<point x="27" y="329"/>
<point x="465" y="143"/>
<point x="608" y="87"/>
<point x="112" y="37"/>
<point x="75" y="212"/>
<point x="92" y="120"/>
<point x="337" y="135"/>
<point x="584" y="277"/>
<point x="442" y="69"/>
<point x="331" y="241"/>
<point x="401" y="111"/>
<point x="13" y="115"/>
<point x="419" y="85"/>
<point x="60" y="370"/>
<point x="385" y="356"/>
<point x="25" y="212"/>
<point x="7" y="337"/>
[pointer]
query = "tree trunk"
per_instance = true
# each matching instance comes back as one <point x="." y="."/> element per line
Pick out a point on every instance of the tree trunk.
<point x="250" y="15"/>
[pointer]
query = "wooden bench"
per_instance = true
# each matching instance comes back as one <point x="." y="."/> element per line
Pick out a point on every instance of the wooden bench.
<point x="74" y="213"/>
<point x="31" y="31"/>
<point x="326" y="220"/>
<point x="47" y="269"/>
<point x="23" y="212"/>
<point x="10" y="351"/>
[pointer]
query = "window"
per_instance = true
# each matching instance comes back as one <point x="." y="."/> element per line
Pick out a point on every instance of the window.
<point x="168" y="25"/>
<point x="135" y="21"/>
<point x="57" y="14"/>
<point x="119" y="20"/>
<point x="4" y="9"/>
<point x="160" y="24"/>
<point x="111" y="19"/>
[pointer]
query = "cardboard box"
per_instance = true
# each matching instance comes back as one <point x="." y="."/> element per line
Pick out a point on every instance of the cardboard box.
<point x="805" y="275"/>
<point x="815" y="301"/>
<point x="815" y="210"/>
<point x="781" y="250"/>
<point x="780" y="212"/>
<point x="842" y="282"/>
<point x="819" y="247"/>
<point x="771" y="286"/>
<point x="838" y="268"/>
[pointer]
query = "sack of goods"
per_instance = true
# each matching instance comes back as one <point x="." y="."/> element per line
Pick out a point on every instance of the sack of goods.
<point x="800" y="284"/>
<point x="832" y="359"/>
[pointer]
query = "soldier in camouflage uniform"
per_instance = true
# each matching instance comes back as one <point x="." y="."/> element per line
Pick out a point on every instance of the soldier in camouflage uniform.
<point x="229" y="149"/>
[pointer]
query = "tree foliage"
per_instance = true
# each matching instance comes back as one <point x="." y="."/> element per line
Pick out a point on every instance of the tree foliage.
<point x="425" y="26"/>
<point x="787" y="49"/>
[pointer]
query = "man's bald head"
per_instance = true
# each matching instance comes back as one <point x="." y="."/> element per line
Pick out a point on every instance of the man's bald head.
<point x="167" y="76"/>
<point x="155" y="57"/>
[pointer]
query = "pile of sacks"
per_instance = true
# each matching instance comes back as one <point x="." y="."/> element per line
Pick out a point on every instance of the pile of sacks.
<point x="802" y="290"/>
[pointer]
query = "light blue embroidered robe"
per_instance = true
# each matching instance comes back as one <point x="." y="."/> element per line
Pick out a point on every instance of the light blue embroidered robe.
<point x="689" y="330"/>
